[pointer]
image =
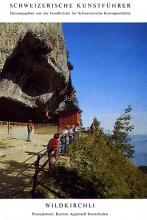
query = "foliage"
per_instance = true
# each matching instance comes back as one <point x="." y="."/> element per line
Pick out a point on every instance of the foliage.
<point x="96" y="123"/>
<point x="76" y="101"/>
<point x="70" y="66"/>
<point x="99" y="166"/>
<point x="111" y="174"/>
<point x="96" y="170"/>
<point x="120" y="136"/>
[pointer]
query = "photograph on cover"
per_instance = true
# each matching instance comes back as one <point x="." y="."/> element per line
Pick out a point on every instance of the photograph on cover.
<point x="73" y="115"/>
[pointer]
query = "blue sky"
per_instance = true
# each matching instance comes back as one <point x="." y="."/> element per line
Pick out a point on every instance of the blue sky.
<point x="110" y="70"/>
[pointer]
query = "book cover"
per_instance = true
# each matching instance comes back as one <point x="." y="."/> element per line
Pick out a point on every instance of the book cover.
<point x="73" y="116"/>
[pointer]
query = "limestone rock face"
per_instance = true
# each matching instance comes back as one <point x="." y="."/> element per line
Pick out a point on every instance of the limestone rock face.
<point x="34" y="71"/>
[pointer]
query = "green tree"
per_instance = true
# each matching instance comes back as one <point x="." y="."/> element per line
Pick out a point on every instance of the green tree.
<point x="120" y="136"/>
<point x="96" y="123"/>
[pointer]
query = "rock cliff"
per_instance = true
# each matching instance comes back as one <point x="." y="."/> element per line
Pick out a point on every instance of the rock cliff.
<point x="34" y="70"/>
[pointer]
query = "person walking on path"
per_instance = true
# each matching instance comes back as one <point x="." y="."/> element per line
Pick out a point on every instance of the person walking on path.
<point x="63" y="140"/>
<point x="29" y="128"/>
<point x="71" y="133"/>
<point x="53" y="147"/>
<point x="76" y="131"/>
<point x="46" y="113"/>
<point x="93" y="128"/>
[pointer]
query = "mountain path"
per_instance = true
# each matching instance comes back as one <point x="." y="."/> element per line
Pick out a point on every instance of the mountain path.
<point x="17" y="157"/>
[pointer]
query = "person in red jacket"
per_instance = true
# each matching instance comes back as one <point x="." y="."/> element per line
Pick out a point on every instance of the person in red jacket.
<point x="53" y="146"/>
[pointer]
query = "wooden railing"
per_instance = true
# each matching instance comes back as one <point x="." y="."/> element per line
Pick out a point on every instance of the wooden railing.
<point x="41" y="168"/>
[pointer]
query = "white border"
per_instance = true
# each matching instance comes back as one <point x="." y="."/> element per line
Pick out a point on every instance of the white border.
<point x="117" y="209"/>
<point x="138" y="12"/>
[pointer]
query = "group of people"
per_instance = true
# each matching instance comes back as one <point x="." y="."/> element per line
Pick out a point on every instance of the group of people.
<point x="63" y="139"/>
<point x="69" y="134"/>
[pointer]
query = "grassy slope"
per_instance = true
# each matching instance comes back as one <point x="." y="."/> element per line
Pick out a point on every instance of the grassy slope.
<point x="96" y="170"/>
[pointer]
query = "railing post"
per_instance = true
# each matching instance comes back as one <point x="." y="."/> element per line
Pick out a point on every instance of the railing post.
<point x="49" y="159"/>
<point x="35" y="176"/>
<point x="8" y="127"/>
